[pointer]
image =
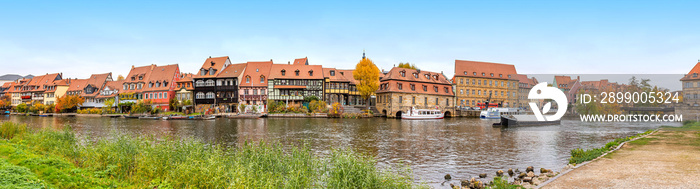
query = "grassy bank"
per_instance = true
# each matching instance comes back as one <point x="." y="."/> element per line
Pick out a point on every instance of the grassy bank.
<point x="58" y="159"/>
<point x="579" y="155"/>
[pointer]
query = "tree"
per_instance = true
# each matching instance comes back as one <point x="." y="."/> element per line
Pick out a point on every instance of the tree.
<point x="5" y="101"/>
<point x="407" y="65"/>
<point x="367" y="76"/>
<point x="174" y="104"/>
<point x="22" y="107"/>
<point x="120" y="77"/>
<point x="68" y="102"/>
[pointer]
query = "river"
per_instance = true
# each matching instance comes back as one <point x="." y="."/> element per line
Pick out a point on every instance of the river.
<point x="462" y="147"/>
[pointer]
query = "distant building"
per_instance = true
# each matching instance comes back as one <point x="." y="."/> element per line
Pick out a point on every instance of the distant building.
<point x="569" y="86"/>
<point x="91" y="88"/>
<point x="524" y="86"/>
<point x="691" y="87"/>
<point x="184" y="91"/>
<point x="38" y="85"/>
<point x="153" y="84"/>
<point x="404" y="88"/>
<point x="477" y="81"/>
<point x="290" y="83"/>
<point x="254" y="85"/>
<point x="110" y="91"/>
<point x="216" y="85"/>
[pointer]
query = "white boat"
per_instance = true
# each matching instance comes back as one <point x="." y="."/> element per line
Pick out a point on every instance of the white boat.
<point x="423" y="114"/>
<point x="495" y="113"/>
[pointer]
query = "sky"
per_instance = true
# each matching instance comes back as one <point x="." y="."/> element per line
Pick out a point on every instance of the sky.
<point x="79" y="38"/>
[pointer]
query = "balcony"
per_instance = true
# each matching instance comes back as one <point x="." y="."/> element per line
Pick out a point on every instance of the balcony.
<point x="26" y="97"/>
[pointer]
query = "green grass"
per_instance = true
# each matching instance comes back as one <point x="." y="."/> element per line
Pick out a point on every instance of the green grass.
<point x="641" y="141"/>
<point x="579" y="155"/>
<point x="688" y="125"/>
<point x="61" y="160"/>
<point x="502" y="183"/>
<point x="12" y="176"/>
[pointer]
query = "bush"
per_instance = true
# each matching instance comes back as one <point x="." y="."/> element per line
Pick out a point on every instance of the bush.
<point x="22" y="107"/>
<point x="90" y="111"/>
<point x="9" y="130"/>
<point x="317" y="106"/>
<point x="579" y="155"/>
<point x="336" y="110"/>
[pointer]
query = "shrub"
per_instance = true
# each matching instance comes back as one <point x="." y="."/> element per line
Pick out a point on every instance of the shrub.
<point x="336" y="110"/>
<point x="317" y="106"/>
<point x="9" y="130"/>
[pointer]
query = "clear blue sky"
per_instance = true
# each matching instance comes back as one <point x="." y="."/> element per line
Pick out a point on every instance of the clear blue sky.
<point x="546" y="37"/>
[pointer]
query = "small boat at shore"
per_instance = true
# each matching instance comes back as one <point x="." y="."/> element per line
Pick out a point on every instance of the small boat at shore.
<point x="418" y="114"/>
<point x="149" y="117"/>
<point x="131" y="116"/>
<point x="177" y="117"/>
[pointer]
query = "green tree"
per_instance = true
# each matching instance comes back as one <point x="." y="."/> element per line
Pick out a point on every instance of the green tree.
<point x="367" y="76"/>
<point x="22" y="107"/>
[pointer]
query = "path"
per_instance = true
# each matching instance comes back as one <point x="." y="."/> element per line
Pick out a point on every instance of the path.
<point x="666" y="159"/>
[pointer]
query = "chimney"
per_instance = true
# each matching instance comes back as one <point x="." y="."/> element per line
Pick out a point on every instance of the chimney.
<point x="578" y="77"/>
<point x="289" y="62"/>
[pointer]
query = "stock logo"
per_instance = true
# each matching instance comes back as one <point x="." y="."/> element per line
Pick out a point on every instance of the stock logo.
<point x="542" y="92"/>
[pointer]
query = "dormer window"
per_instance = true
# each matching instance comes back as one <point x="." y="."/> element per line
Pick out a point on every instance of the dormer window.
<point x="133" y="78"/>
<point x="427" y="76"/>
<point x="262" y="79"/>
<point x="415" y="75"/>
<point x="203" y="72"/>
<point x="311" y="73"/>
<point x="403" y="74"/>
<point x="465" y="72"/>
<point x="296" y="72"/>
<point x="247" y="79"/>
<point x="500" y="75"/>
<point x="508" y="76"/>
<point x="283" y="72"/>
<point x="165" y="84"/>
<point x="474" y="73"/>
<point x="483" y="74"/>
<point x="140" y="77"/>
<point x="435" y="77"/>
<point x="695" y="74"/>
<point x="491" y="74"/>
<point x="211" y="70"/>
<point x="150" y="84"/>
<point x="332" y="73"/>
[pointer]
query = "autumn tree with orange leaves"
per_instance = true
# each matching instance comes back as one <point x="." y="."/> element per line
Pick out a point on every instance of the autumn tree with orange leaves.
<point x="68" y="102"/>
<point x="367" y="76"/>
<point x="4" y="101"/>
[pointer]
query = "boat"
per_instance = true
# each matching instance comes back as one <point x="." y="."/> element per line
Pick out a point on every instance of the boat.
<point x="149" y="117"/>
<point x="43" y="115"/>
<point x="417" y="114"/>
<point x="131" y="116"/>
<point x="177" y="117"/>
<point x="523" y="120"/>
<point x="246" y="116"/>
<point x="496" y="113"/>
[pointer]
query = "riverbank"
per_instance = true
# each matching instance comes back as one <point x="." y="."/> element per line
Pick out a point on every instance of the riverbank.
<point x="668" y="158"/>
<point x="57" y="158"/>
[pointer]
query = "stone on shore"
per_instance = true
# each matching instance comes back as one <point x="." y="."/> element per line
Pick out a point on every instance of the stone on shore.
<point x="543" y="170"/>
<point x="530" y="168"/>
<point x="464" y="183"/>
<point x="527" y="179"/>
<point x="522" y="175"/>
<point x="531" y="174"/>
<point x="499" y="173"/>
<point x="510" y="172"/>
<point x="448" y="177"/>
<point x="482" y="175"/>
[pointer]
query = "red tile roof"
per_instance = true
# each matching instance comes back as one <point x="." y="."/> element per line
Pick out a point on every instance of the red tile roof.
<point x="301" y="61"/>
<point x="168" y="74"/>
<point x="233" y="70"/>
<point x="530" y="82"/>
<point x="256" y="70"/>
<point x="217" y="63"/>
<point x="693" y="74"/>
<point x="433" y="79"/>
<point x="111" y="85"/>
<point x="43" y="80"/>
<point x="133" y="77"/>
<point x="97" y="81"/>
<point x="337" y="76"/>
<point x="564" y="82"/>
<point x="276" y="71"/>
<point x="77" y="85"/>
<point x="484" y="69"/>
<point x="349" y="75"/>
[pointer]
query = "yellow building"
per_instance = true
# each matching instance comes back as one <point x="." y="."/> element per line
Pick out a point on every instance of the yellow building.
<point x="477" y="81"/>
<point x="56" y="90"/>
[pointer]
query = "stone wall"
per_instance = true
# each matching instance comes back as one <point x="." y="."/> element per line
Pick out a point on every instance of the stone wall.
<point x="688" y="112"/>
<point x="391" y="106"/>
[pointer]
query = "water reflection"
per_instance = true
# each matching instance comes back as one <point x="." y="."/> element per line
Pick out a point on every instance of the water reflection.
<point x="461" y="147"/>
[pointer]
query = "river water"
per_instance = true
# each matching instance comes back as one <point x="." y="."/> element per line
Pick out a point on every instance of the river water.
<point x="461" y="147"/>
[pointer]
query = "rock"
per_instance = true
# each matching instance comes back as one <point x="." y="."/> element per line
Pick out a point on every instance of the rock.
<point x="527" y="179"/>
<point x="464" y="183"/>
<point x="536" y="182"/>
<point x="517" y="170"/>
<point x="516" y="182"/>
<point x="522" y="175"/>
<point x="529" y="168"/>
<point x="510" y="172"/>
<point x="473" y="180"/>
<point x="543" y="170"/>
<point x="499" y="173"/>
<point x="448" y="177"/>
<point x="531" y="174"/>
<point x="452" y="185"/>
<point x="482" y="175"/>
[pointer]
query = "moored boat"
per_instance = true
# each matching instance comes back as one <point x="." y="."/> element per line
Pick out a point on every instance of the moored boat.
<point x="496" y="113"/>
<point x="417" y="114"/>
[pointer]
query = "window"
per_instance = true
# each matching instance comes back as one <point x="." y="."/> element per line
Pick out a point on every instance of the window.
<point x="479" y="82"/>
<point x="460" y="91"/>
<point x="437" y="101"/>
<point x="283" y="72"/>
<point x="415" y="75"/>
<point x="296" y="72"/>
<point x="447" y="90"/>
<point x="413" y="87"/>
<point x="211" y="71"/>
<point x="332" y="73"/>
<point x="500" y="75"/>
<point x="483" y="74"/>
<point x="461" y="81"/>
<point x="247" y="79"/>
<point x="400" y="99"/>
<point x="165" y="84"/>
<point x="262" y="79"/>
<point x="311" y="73"/>
<point x="403" y="74"/>
<point x="425" y="88"/>
<point x="199" y="95"/>
<point x="199" y="83"/>
<point x="210" y="95"/>
<point x="491" y="74"/>
<point x="400" y="86"/>
<point x="125" y="86"/>
<point x="427" y="76"/>
<point x="435" y="88"/>
<point x="209" y="83"/>
<point x="150" y="85"/>
<point x="414" y="100"/>
<point x="465" y="72"/>
<point x="158" y="84"/>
